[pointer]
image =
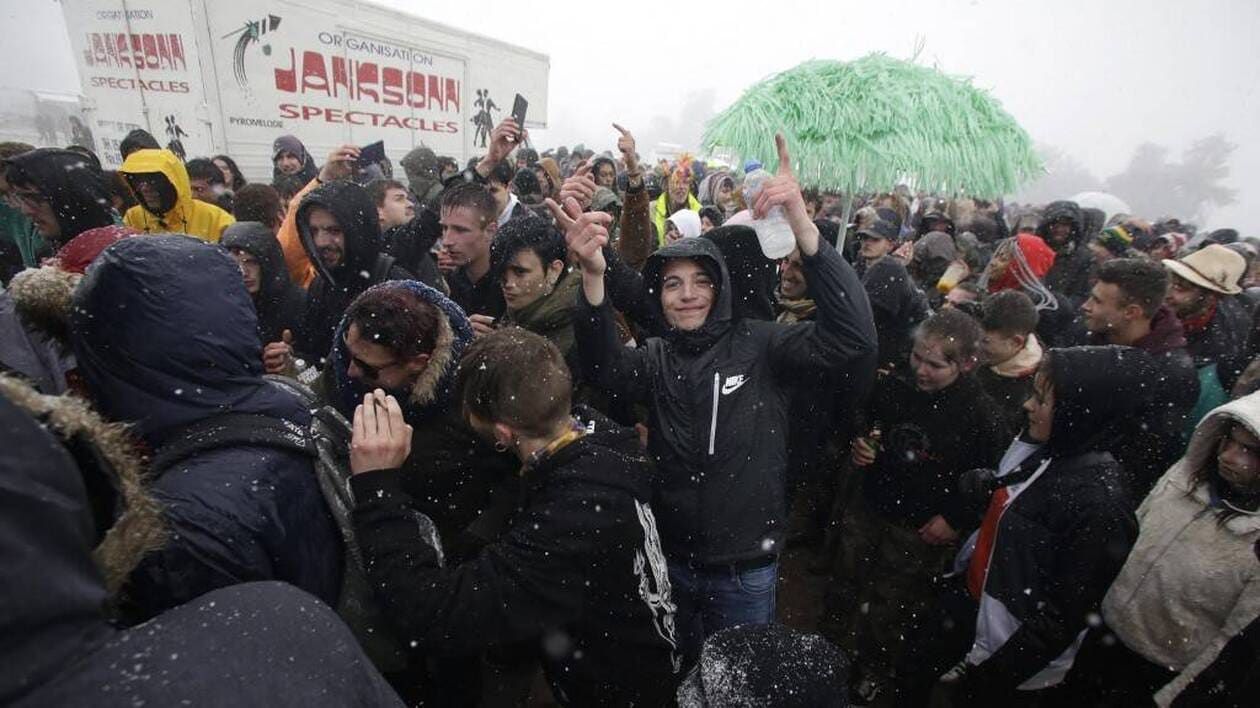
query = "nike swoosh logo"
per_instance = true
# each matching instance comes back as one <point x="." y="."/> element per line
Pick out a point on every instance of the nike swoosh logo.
<point x="732" y="384"/>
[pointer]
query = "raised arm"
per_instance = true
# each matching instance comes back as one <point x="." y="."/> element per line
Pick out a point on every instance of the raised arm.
<point x="845" y="327"/>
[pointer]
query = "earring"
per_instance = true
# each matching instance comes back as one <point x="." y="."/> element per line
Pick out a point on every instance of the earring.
<point x="500" y="446"/>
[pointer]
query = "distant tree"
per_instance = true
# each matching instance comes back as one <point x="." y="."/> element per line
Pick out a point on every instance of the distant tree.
<point x="1064" y="177"/>
<point x="1155" y="187"/>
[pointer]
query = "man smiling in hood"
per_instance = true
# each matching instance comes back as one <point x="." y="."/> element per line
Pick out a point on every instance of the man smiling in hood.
<point x="717" y="388"/>
<point x="340" y="231"/>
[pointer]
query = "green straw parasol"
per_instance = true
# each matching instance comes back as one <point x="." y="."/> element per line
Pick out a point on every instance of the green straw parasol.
<point x="869" y="124"/>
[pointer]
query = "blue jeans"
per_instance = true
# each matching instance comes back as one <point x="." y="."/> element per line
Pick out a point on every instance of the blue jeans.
<point x="712" y="598"/>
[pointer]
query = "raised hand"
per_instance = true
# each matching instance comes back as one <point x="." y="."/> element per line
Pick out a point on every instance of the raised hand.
<point x="782" y="190"/>
<point x="580" y="187"/>
<point x="340" y="164"/>
<point x="278" y="355"/>
<point x="481" y="324"/>
<point x="504" y="139"/>
<point x="586" y="234"/>
<point x="382" y="438"/>
<point x="626" y="145"/>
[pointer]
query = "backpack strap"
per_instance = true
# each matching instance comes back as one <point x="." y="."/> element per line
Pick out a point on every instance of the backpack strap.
<point x="380" y="271"/>
<point x="230" y="430"/>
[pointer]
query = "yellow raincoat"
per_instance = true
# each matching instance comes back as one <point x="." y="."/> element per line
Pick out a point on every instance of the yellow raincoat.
<point x="188" y="216"/>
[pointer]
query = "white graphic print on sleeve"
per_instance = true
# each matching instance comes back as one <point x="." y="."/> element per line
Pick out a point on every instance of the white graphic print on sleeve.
<point x="654" y="586"/>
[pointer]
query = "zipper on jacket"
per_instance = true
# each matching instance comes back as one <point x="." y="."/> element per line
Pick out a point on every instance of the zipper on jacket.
<point x="717" y="391"/>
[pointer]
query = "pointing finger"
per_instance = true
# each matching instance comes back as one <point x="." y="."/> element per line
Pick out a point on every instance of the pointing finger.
<point x="572" y="208"/>
<point x="785" y="160"/>
<point x="621" y="130"/>
<point x="558" y="212"/>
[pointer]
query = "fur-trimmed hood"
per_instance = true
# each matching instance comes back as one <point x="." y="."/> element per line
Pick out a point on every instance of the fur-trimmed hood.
<point x="1202" y="449"/>
<point x="42" y="295"/>
<point x="431" y="392"/>
<point x="128" y="521"/>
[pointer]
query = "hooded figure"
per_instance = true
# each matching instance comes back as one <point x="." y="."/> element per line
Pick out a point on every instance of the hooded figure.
<point x="898" y="306"/>
<point x="452" y="477"/>
<point x="686" y="222"/>
<point x="421" y="166"/>
<point x="69" y="184"/>
<point x="160" y="183"/>
<point x="933" y="253"/>
<point x="1057" y="530"/>
<point x="278" y="303"/>
<point x="753" y="276"/>
<point x="293" y="146"/>
<point x="166" y="341"/>
<point x="1192" y="583"/>
<point x="1073" y="261"/>
<point x="254" y="644"/>
<point x="718" y="399"/>
<point x="710" y="193"/>
<point x="35" y="344"/>
<point x="363" y="264"/>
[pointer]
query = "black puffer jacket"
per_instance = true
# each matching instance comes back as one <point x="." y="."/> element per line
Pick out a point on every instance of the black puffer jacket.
<point x="164" y="334"/>
<point x="362" y="266"/>
<point x="1073" y="262"/>
<point x="1067" y="528"/>
<point x="279" y="303"/>
<point x="580" y="573"/>
<point x="250" y="644"/>
<point x="718" y="400"/>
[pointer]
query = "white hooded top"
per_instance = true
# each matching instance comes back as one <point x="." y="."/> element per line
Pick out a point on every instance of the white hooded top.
<point x="1190" y="583"/>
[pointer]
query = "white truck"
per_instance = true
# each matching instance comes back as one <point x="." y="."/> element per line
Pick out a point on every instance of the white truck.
<point x="229" y="76"/>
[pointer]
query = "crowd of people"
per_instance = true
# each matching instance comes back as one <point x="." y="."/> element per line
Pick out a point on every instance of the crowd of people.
<point x="545" y="426"/>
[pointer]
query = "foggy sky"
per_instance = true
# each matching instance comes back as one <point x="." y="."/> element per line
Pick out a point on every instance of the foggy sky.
<point x="1092" y="77"/>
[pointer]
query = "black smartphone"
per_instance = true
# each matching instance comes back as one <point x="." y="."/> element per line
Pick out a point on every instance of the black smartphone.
<point x="372" y="154"/>
<point x="519" y="106"/>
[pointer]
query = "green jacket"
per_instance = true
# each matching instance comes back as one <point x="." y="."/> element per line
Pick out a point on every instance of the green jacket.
<point x="551" y="315"/>
<point x="16" y="228"/>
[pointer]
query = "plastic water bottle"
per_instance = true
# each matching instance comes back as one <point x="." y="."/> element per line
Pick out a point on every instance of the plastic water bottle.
<point x="773" y="232"/>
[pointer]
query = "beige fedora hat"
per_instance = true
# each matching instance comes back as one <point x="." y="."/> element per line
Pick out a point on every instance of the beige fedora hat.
<point x="1214" y="268"/>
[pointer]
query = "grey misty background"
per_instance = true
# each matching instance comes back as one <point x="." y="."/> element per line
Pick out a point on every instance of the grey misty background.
<point x="1155" y="100"/>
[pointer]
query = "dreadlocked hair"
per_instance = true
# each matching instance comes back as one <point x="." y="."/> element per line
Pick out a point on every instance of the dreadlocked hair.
<point x="1041" y="296"/>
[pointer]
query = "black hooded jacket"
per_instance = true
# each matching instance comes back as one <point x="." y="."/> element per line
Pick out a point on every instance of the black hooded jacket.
<point x="279" y="303"/>
<point x="1073" y="262"/>
<point x="718" y="399"/>
<point x="72" y="184"/>
<point x="753" y="276"/>
<point x="1066" y="531"/>
<point x="411" y="245"/>
<point x="362" y="264"/>
<point x="165" y="338"/>
<point x="898" y="305"/>
<point x="1148" y="443"/>
<point x="252" y="644"/>
<point x="579" y="573"/>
